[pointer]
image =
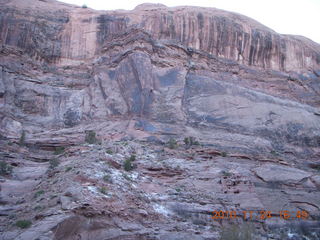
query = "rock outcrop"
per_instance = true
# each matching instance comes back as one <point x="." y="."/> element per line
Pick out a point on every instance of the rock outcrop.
<point x="143" y="80"/>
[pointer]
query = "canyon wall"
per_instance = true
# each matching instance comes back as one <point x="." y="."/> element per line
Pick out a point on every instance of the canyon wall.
<point x="185" y="66"/>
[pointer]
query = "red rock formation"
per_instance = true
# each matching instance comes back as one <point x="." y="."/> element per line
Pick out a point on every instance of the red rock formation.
<point x="61" y="32"/>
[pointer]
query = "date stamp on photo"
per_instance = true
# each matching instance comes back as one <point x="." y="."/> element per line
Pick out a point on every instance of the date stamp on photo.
<point x="259" y="215"/>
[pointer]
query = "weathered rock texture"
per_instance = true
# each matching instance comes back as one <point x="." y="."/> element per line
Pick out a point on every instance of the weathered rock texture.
<point x="150" y="74"/>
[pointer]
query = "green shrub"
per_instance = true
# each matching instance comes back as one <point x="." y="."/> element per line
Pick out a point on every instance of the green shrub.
<point x="103" y="190"/>
<point x="22" y="140"/>
<point x="90" y="137"/>
<point x="58" y="150"/>
<point x="128" y="166"/>
<point x="84" y="6"/>
<point x="109" y="151"/>
<point x="23" y="223"/>
<point x="273" y="152"/>
<point x="172" y="143"/>
<point x="5" y="168"/>
<point x="226" y="173"/>
<point x="39" y="193"/>
<point x="189" y="141"/>
<point x="106" y="178"/>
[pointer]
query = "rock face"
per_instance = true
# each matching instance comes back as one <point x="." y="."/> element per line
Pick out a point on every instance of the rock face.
<point x="64" y="65"/>
<point x="249" y="95"/>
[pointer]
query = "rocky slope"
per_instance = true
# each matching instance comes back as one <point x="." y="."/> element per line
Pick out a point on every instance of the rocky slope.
<point x="144" y="80"/>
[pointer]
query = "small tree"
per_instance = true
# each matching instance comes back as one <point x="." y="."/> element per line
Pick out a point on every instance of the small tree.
<point x="84" y="6"/>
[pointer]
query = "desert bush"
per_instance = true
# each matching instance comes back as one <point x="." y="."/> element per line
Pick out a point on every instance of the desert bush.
<point x="172" y="143"/>
<point x="109" y="151"/>
<point x="103" y="190"/>
<point x="23" y="223"/>
<point x="5" y="168"/>
<point x="107" y="178"/>
<point x="84" y="6"/>
<point x="91" y="137"/>
<point x="186" y="141"/>
<point x="128" y="166"/>
<point x="189" y="141"/>
<point x="226" y="173"/>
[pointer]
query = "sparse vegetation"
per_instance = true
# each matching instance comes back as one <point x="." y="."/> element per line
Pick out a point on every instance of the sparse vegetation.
<point x="38" y="193"/>
<point x="91" y="137"/>
<point x="189" y="141"/>
<point x="132" y="158"/>
<point x="23" y="223"/>
<point x="109" y="151"/>
<point x="53" y="163"/>
<point x="226" y="173"/>
<point x="84" y="6"/>
<point x="103" y="190"/>
<point x="58" y="150"/>
<point x="224" y="154"/>
<point x="128" y="166"/>
<point x="244" y="231"/>
<point x="172" y="143"/>
<point x="107" y="178"/>
<point x="22" y="140"/>
<point x="5" y="168"/>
